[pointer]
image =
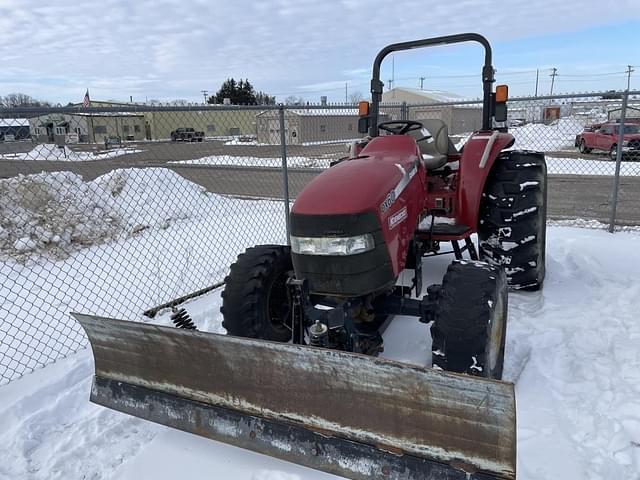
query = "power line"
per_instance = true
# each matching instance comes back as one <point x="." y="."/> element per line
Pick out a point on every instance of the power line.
<point x="585" y="75"/>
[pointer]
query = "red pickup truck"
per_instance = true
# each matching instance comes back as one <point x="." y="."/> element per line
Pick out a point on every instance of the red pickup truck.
<point x="605" y="137"/>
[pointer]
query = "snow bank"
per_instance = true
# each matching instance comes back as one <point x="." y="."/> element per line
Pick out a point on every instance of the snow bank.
<point x="242" y="140"/>
<point x="556" y="166"/>
<point x="572" y="351"/>
<point x="559" y="135"/>
<point x="153" y="197"/>
<point x="52" y="152"/>
<point x="53" y="214"/>
<point x="294" y="161"/>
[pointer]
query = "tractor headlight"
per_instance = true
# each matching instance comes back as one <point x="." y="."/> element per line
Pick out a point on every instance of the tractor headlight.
<point x="332" y="245"/>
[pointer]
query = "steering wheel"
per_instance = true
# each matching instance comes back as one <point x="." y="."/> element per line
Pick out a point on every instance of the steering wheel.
<point x="400" y="127"/>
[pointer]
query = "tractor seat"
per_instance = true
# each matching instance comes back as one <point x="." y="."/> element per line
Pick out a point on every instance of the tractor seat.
<point x="434" y="143"/>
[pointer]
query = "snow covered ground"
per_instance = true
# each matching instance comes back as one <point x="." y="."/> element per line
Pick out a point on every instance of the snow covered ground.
<point x="51" y="152"/>
<point x="572" y="351"/>
<point x="127" y="241"/>
<point x="293" y="161"/>
<point x="589" y="166"/>
<point x="556" y="166"/>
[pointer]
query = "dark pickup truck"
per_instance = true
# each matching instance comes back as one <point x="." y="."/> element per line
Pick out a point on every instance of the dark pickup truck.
<point x="605" y="137"/>
<point x="186" y="135"/>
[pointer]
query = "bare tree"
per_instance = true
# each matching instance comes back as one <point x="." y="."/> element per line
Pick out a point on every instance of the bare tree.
<point x="355" y="97"/>
<point x="293" y="100"/>
<point x="21" y="100"/>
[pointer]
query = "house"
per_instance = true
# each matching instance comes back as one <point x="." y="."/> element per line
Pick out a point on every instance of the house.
<point x="439" y="104"/>
<point x="14" y="129"/>
<point x="310" y="125"/>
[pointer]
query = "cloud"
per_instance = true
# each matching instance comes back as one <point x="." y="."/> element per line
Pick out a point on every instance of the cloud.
<point x="175" y="48"/>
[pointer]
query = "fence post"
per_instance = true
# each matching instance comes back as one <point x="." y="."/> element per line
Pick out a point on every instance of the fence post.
<point x="404" y="111"/>
<point x="616" y="179"/>
<point x="285" y="172"/>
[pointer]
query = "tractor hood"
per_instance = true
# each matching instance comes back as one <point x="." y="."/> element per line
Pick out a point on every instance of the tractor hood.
<point x="371" y="200"/>
<point x="361" y="184"/>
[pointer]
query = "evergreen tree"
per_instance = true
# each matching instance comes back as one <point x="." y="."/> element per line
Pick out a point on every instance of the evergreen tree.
<point x="239" y="93"/>
<point x="265" y="99"/>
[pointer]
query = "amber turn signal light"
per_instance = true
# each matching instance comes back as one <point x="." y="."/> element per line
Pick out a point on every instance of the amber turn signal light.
<point x="363" y="108"/>
<point x="502" y="93"/>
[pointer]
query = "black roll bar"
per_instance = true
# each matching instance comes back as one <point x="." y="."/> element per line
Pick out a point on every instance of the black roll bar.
<point x="487" y="73"/>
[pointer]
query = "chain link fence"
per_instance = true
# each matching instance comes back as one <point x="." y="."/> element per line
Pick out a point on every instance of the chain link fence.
<point x="118" y="208"/>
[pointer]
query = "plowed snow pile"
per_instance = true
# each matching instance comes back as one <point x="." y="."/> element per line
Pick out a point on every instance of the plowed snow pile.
<point x="559" y="135"/>
<point x="572" y="351"/>
<point x="54" y="214"/>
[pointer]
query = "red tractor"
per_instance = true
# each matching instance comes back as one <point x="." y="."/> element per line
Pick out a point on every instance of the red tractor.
<point x="395" y="200"/>
<point x="289" y="380"/>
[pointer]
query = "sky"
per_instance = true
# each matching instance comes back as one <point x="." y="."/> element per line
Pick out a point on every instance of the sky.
<point x="168" y="49"/>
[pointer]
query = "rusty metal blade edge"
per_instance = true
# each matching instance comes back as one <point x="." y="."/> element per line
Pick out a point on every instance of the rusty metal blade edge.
<point x="287" y="442"/>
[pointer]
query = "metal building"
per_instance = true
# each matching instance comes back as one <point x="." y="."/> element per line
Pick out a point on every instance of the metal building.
<point x="65" y="128"/>
<point x="14" y="129"/>
<point x="316" y="125"/>
<point x="459" y="118"/>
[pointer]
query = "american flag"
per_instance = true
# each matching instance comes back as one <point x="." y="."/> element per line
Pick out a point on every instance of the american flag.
<point x="87" y="100"/>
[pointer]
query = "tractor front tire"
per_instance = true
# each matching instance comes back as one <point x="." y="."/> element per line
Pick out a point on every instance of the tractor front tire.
<point x="513" y="218"/>
<point x="255" y="300"/>
<point x="470" y="324"/>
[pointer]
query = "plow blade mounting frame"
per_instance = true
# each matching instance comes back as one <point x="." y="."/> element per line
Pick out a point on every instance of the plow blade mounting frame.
<point x="342" y="413"/>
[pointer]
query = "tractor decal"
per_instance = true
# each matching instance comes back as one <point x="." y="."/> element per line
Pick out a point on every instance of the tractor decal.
<point x="397" y="218"/>
<point x="388" y="201"/>
<point x="402" y="184"/>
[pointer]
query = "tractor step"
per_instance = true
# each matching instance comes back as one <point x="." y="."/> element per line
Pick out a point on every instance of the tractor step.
<point x="343" y="413"/>
<point x="446" y="230"/>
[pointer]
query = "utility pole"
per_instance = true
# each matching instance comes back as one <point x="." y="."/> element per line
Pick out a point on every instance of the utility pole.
<point x="204" y="93"/>
<point x="422" y="82"/>
<point x="537" y="77"/>
<point x="553" y="75"/>
<point x="346" y="93"/>
<point x="630" y="70"/>
<point x="393" y="70"/>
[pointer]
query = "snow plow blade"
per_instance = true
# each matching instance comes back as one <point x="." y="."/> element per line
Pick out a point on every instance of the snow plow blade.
<point x="346" y="414"/>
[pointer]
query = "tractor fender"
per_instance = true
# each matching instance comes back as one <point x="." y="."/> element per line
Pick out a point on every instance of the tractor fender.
<point x="478" y="157"/>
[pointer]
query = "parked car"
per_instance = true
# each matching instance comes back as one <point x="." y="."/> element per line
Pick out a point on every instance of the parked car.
<point x="112" y="140"/>
<point x="186" y="135"/>
<point x="605" y="137"/>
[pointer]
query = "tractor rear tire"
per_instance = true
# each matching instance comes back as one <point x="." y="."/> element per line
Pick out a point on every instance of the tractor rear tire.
<point x="255" y="300"/>
<point x="470" y="324"/>
<point x="513" y="218"/>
